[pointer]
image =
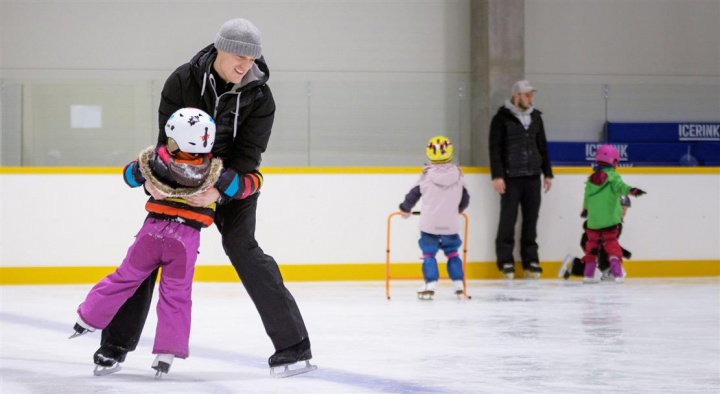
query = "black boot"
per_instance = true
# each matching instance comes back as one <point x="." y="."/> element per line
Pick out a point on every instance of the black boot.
<point x="109" y="355"/>
<point x="290" y="355"/>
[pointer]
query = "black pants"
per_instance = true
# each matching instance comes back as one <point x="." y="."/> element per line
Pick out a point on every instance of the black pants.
<point x="258" y="272"/>
<point x="523" y="192"/>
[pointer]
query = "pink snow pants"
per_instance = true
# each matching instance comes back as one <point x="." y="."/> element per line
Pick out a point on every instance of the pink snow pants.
<point x="159" y="243"/>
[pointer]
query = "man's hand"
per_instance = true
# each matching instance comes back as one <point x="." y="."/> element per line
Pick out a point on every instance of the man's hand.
<point x="499" y="185"/>
<point x="547" y="184"/>
<point x="154" y="192"/>
<point x="205" y="198"/>
<point x="405" y="215"/>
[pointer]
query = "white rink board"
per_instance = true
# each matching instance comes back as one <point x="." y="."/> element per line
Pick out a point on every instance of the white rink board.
<point x="90" y="220"/>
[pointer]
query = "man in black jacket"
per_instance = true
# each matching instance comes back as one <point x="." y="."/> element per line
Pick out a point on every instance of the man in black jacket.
<point x="518" y="158"/>
<point x="227" y="79"/>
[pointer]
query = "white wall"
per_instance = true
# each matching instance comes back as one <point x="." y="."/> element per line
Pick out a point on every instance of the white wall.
<point x="622" y="61"/>
<point x="90" y="220"/>
<point x="387" y="36"/>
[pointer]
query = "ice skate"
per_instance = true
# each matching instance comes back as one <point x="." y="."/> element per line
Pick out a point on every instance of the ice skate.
<point x="427" y="291"/>
<point x="607" y="275"/>
<point x="617" y="270"/>
<point x="592" y="273"/>
<point x="107" y="360"/>
<point x="533" y="271"/>
<point x="288" y="362"/>
<point x="162" y="364"/>
<point x="458" y="288"/>
<point x="508" y="271"/>
<point x="81" y="328"/>
<point x="566" y="267"/>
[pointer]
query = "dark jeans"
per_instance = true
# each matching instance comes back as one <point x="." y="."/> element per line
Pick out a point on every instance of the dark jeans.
<point x="522" y="192"/>
<point x="259" y="274"/>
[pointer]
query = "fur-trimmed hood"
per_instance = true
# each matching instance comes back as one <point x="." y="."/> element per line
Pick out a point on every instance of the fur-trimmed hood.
<point x="147" y="156"/>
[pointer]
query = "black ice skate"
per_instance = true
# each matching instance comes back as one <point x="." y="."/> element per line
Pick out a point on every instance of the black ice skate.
<point x="107" y="360"/>
<point x="81" y="328"/>
<point x="508" y="271"/>
<point x="533" y="271"/>
<point x="281" y="362"/>
<point x="162" y="364"/>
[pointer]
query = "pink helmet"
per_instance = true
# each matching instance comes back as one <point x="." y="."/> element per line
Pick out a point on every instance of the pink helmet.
<point x="607" y="154"/>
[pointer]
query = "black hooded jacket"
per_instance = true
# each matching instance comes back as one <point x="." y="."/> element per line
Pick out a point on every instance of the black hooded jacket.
<point x="516" y="152"/>
<point x="243" y="115"/>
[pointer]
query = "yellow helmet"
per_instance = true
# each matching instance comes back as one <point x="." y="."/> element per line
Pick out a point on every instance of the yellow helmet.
<point x="439" y="149"/>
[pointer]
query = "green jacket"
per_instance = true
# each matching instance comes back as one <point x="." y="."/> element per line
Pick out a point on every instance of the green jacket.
<point x="602" y="198"/>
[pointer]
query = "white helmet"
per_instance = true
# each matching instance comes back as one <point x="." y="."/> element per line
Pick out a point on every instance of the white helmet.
<point x="190" y="130"/>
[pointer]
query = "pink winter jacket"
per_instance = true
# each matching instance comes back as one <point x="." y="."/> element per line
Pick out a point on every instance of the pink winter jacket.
<point x="442" y="187"/>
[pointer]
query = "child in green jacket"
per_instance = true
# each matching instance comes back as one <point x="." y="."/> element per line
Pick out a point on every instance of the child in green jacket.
<point x="604" y="213"/>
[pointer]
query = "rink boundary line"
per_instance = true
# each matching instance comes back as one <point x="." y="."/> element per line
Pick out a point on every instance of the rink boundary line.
<point x="356" y="170"/>
<point x="348" y="272"/>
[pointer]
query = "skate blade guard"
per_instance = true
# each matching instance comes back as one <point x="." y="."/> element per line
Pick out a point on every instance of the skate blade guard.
<point x="288" y="370"/>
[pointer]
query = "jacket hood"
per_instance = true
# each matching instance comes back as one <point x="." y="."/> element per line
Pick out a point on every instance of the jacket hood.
<point x="598" y="180"/>
<point x="443" y="174"/>
<point x="516" y="111"/>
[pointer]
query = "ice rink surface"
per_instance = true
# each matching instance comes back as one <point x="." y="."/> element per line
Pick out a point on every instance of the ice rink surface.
<point x="547" y="336"/>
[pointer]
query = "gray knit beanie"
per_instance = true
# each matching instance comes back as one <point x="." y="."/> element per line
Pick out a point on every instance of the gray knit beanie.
<point x="241" y="37"/>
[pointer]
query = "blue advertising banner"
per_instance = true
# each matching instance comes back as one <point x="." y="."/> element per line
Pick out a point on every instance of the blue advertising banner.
<point x="707" y="153"/>
<point x="633" y="154"/>
<point x="663" y="132"/>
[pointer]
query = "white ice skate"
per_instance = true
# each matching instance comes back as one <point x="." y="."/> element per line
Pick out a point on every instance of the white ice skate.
<point x="566" y="267"/>
<point x="427" y="291"/>
<point x="595" y="278"/>
<point x="459" y="288"/>
<point x="81" y="328"/>
<point x="162" y="364"/>
<point x="608" y="276"/>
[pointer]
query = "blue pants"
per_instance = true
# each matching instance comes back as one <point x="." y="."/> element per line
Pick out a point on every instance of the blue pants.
<point x="430" y="244"/>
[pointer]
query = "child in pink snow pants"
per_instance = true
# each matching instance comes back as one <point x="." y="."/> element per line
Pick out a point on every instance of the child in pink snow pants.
<point x="169" y="237"/>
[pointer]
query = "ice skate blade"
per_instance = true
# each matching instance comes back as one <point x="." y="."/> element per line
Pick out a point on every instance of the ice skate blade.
<point x="287" y="372"/>
<point x="102" y="371"/>
<point x="159" y="375"/>
<point x="461" y="295"/>
<point x="77" y="334"/>
<point x="532" y="275"/>
<point x="425" y="295"/>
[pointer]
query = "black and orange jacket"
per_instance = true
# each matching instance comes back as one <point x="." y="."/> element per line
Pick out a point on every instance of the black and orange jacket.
<point x="176" y="177"/>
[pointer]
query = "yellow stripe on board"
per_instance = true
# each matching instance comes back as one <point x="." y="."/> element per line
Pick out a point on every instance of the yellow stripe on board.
<point x="361" y="170"/>
<point x="347" y="272"/>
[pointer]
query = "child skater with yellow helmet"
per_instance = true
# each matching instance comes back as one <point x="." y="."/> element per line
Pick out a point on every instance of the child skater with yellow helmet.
<point x="442" y="187"/>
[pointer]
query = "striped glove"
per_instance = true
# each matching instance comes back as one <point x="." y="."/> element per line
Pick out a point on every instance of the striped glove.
<point x="238" y="186"/>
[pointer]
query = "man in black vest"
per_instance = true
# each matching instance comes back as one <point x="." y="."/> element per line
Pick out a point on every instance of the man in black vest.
<point x="518" y="159"/>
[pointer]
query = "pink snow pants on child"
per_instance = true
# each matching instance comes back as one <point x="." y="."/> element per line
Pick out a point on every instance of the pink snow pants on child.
<point x="159" y="243"/>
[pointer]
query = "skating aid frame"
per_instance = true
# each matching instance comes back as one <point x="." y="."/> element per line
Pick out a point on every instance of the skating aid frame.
<point x="387" y="255"/>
